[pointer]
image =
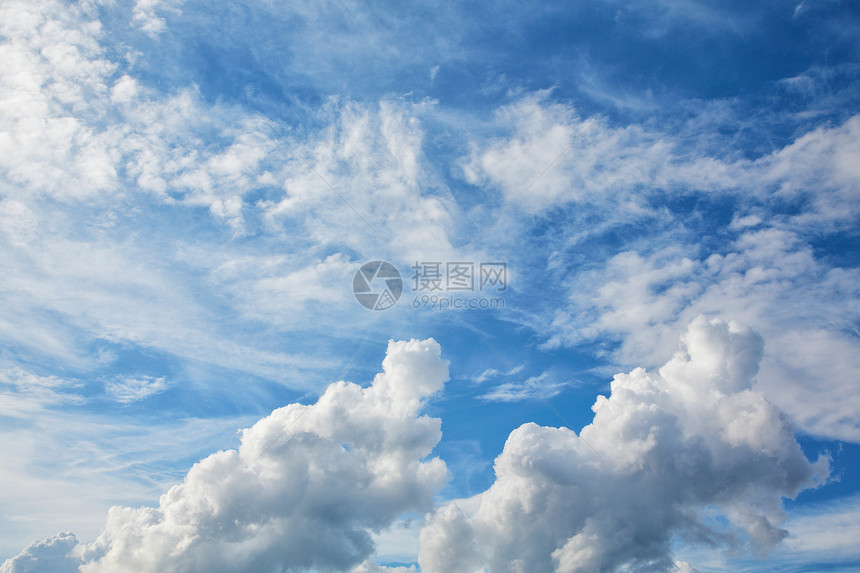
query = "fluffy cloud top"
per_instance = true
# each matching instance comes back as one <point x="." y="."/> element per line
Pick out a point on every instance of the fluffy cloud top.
<point x="306" y="488"/>
<point x="52" y="555"/>
<point x="689" y="452"/>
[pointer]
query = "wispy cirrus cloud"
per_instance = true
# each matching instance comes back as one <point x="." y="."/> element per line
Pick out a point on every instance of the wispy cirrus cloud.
<point x="539" y="387"/>
<point x="821" y="535"/>
<point x="126" y="389"/>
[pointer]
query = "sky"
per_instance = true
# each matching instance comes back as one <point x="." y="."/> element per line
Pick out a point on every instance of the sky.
<point x="428" y="287"/>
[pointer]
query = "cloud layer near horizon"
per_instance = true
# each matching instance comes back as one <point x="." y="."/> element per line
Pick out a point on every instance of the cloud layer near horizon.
<point x="690" y="451"/>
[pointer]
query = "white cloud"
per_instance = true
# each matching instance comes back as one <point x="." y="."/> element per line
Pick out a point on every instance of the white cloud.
<point x="306" y="488"/>
<point x="371" y="566"/>
<point x="663" y="450"/>
<point x="65" y="465"/>
<point x="52" y="555"/>
<point x="548" y="155"/>
<point x="664" y="16"/>
<point x="90" y="152"/>
<point x="273" y="288"/>
<point x="534" y="387"/>
<point x="110" y="189"/>
<point x="51" y="87"/>
<point x="127" y="389"/>
<point x="824" y="532"/>
<point x="366" y="176"/>
<point x="91" y="159"/>
<point x="146" y="14"/>
<point x="25" y="393"/>
<point x="487" y="374"/>
<point x="768" y="278"/>
<point x="822" y="535"/>
<point x="821" y="170"/>
<point x="69" y="137"/>
<point x="117" y="154"/>
<point x="447" y="542"/>
<point x="492" y="373"/>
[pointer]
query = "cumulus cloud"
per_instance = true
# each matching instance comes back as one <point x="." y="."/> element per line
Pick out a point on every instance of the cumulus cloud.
<point x="690" y="452"/>
<point x="305" y="490"/>
<point x="53" y="554"/>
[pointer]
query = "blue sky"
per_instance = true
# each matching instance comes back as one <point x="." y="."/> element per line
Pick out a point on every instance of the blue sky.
<point x="187" y="191"/>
